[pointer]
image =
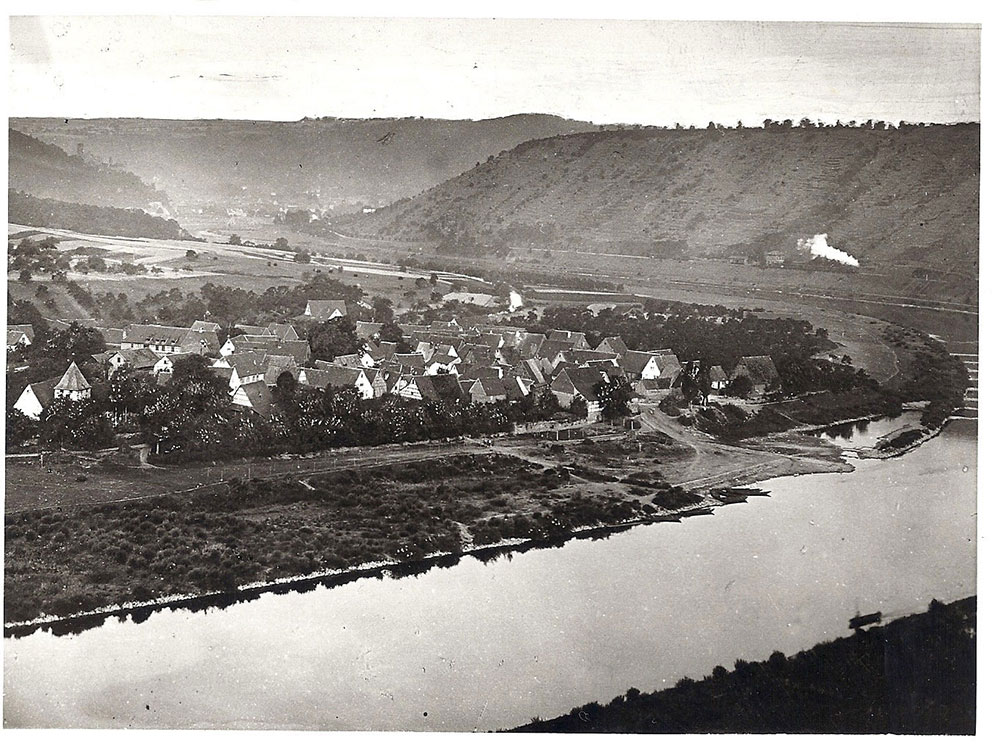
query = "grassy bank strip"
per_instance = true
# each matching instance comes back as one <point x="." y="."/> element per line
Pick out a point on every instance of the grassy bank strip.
<point x="915" y="675"/>
<point x="254" y="533"/>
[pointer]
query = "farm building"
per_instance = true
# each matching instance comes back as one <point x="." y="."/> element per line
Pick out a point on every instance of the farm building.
<point x="761" y="372"/>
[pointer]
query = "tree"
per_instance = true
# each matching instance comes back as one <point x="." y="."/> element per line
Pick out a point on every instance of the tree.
<point x="286" y="382"/>
<point x="382" y="310"/>
<point x="192" y="255"/>
<point x="19" y="427"/>
<point x="234" y="240"/>
<point x="301" y="257"/>
<point x="282" y="244"/>
<point x="613" y="396"/>
<point x="740" y="387"/>
<point x="25" y="275"/>
<point x="332" y="338"/>
<point x="579" y="406"/>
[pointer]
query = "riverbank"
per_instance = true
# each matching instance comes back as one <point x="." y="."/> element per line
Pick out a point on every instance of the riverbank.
<point x="914" y="675"/>
<point x="255" y="534"/>
<point x="248" y="537"/>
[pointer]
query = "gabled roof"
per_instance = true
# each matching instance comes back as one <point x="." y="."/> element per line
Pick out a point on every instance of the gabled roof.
<point x="492" y="385"/>
<point x="138" y="359"/>
<point x="111" y="335"/>
<point x="447" y="387"/>
<point x="634" y="361"/>
<point x="334" y="376"/>
<point x="717" y="373"/>
<point x="208" y="338"/>
<point x="759" y="368"/>
<point x="612" y="344"/>
<point x="513" y="387"/>
<point x="550" y="349"/>
<point x="283" y="332"/>
<point x="568" y="335"/>
<point x="276" y="365"/>
<point x="353" y="360"/>
<point x="14" y="337"/>
<point x="26" y="329"/>
<point x="205" y="326"/>
<point x="425" y="385"/>
<point x="298" y="349"/>
<point x="582" y="357"/>
<point x="245" y="363"/>
<point x="367" y="329"/>
<point x="261" y="331"/>
<point x="253" y="341"/>
<point x="44" y="391"/>
<point x="72" y="380"/>
<point x="155" y="334"/>
<point x="322" y="310"/>
<point x="530" y="344"/>
<point x="410" y="360"/>
<point x="258" y="395"/>
<point x="583" y="380"/>
<point x="381" y="350"/>
<point x="531" y="369"/>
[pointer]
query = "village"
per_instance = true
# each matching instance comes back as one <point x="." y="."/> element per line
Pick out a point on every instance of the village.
<point x="440" y="361"/>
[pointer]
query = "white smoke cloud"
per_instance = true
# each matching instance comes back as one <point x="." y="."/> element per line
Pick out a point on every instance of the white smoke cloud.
<point x="818" y="246"/>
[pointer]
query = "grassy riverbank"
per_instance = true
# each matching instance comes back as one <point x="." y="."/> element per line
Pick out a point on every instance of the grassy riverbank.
<point x="60" y="563"/>
<point x="915" y="675"/>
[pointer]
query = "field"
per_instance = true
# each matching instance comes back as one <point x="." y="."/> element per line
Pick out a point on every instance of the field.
<point x="221" y="263"/>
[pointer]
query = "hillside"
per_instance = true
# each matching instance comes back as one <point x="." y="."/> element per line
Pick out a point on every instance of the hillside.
<point x="915" y="675"/>
<point x="26" y="209"/>
<point x="906" y="196"/>
<point x="46" y="170"/>
<point x="313" y="163"/>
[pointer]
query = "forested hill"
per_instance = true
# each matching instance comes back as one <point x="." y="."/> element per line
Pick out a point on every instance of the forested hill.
<point x="313" y="163"/>
<point x="906" y="195"/>
<point x="48" y="171"/>
<point x="26" y="209"/>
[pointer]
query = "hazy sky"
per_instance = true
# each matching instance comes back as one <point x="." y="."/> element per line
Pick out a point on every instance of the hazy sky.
<point x="653" y="72"/>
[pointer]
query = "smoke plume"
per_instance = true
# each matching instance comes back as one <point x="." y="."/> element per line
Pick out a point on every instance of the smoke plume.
<point x="818" y="246"/>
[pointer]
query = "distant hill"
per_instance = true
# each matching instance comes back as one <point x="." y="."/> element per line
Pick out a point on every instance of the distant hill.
<point x="314" y="163"/>
<point x="907" y="195"/>
<point x="27" y="209"/>
<point x="46" y="170"/>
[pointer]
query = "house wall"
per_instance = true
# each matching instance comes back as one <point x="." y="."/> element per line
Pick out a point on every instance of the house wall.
<point x="28" y="405"/>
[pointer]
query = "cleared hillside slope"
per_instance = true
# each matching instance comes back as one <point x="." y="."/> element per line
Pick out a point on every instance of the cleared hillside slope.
<point x="906" y="196"/>
<point x="314" y="163"/>
<point x="47" y="171"/>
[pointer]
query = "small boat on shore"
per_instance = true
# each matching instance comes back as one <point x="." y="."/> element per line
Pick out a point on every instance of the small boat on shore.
<point x="736" y="494"/>
<point x="864" y="620"/>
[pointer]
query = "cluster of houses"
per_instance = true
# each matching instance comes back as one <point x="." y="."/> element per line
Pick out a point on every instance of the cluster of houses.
<point x="442" y="361"/>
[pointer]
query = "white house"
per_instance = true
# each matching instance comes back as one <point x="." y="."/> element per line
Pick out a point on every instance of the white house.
<point x="35" y="397"/>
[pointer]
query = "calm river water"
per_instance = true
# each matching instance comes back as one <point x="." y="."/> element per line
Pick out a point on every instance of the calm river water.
<point x="486" y="646"/>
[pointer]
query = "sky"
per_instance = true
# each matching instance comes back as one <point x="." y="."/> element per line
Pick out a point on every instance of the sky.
<point x="617" y="71"/>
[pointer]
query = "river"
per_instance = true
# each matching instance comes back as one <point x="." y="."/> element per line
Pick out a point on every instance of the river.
<point x="491" y="645"/>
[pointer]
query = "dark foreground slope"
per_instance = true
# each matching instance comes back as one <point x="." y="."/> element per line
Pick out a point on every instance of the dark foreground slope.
<point x="310" y="163"/>
<point x="48" y="171"/>
<point x="904" y="196"/>
<point x="915" y="675"/>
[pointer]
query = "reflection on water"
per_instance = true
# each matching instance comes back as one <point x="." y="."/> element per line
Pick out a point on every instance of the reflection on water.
<point x="491" y="644"/>
<point x="865" y="433"/>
